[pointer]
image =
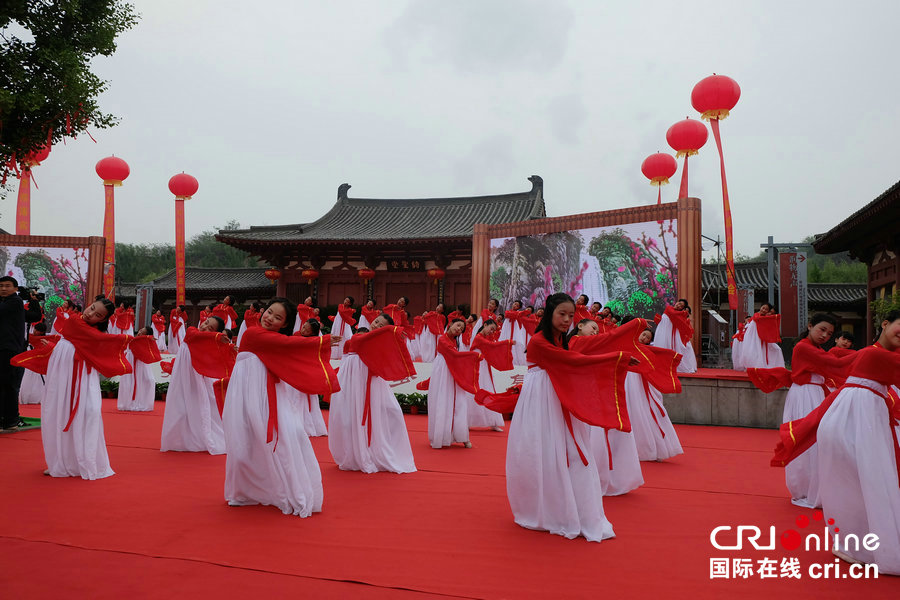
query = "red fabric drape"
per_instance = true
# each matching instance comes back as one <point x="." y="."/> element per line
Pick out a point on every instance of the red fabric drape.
<point x="768" y="328"/>
<point x="463" y="366"/>
<point x="144" y="349"/>
<point x="681" y="322"/>
<point x="436" y="322"/>
<point x="501" y="402"/>
<point x="212" y="355"/>
<point x="497" y="354"/>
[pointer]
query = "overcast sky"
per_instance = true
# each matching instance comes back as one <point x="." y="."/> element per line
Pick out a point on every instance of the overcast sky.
<point x="272" y="105"/>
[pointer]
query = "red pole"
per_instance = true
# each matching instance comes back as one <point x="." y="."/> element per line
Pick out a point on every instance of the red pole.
<point x="109" y="232"/>
<point x="179" y="252"/>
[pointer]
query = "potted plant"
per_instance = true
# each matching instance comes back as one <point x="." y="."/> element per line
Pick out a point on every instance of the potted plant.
<point x="161" y="390"/>
<point x="403" y="401"/>
<point x="418" y="403"/>
<point x="109" y="388"/>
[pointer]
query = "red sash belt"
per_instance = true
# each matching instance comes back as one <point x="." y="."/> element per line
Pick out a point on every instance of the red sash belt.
<point x="272" y="427"/>
<point x="367" y="410"/>
<point x="75" y="391"/>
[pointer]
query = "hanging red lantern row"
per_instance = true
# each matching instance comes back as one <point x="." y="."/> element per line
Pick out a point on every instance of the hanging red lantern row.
<point x="436" y="274"/>
<point x="273" y="274"/>
<point x="713" y="98"/>
<point x="658" y="168"/>
<point x="309" y="275"/>
<point x="366" y="274"/>
<point x="686" y="138"/>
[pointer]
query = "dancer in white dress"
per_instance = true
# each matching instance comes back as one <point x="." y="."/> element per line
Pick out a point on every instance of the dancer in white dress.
<point x="313" y="420"/>
<point x="177" y="328"/>
<point x="434" y="325"/>
<point x="137" y="390"/>
<point x="343" y="326"/>
<point x="192" y="422"/>
<point x="674" y="331"/>
<point x="270" y="458"/>
<point x="72" y="431"/>
<point x="454" y="381"/>
<point x="758" y="347"/>
<point x="368" y="432"/>
<point x="551" y="481"/>
<point x="494" y="354"/>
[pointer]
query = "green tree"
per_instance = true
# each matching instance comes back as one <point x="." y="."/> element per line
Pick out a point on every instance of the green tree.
<point x="47" y="90"/>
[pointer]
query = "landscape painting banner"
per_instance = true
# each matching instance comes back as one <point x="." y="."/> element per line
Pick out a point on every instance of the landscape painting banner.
<point x="632" y="267"/>
<point x="59" y="273"/>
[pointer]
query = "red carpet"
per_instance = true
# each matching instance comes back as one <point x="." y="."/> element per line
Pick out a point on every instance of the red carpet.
<point x="161" y="529"/>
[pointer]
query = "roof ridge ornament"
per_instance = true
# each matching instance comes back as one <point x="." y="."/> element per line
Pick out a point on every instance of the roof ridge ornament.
<point x="537" y="183"/>
<point x="342" y="191"/>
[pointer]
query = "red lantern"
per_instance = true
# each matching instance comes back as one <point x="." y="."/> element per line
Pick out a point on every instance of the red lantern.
<point x="112" y="170"/>
<point x="686" y="138"/>
<point x="366" y="274"/>
<point x="309" y="275"/>
<point x="658" y="168"/>
<point x="436" y="274"/>
<point x="715" y="96"/>
<point x="183" y="186"/>
<point x="35" y="158"/>
<point x="273" y="275"/>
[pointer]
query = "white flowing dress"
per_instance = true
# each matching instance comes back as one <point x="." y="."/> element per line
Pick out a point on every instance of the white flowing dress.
<point x="176" y="340"/>
<point x="754" y="353"/>
<point x="626" y="472"/>
<point x="313" y="420"/>
<point x="343" y="329"/>
<point x="32" y="388"/>
<point x="160" y="337"/>
<point x="283" y="473"/>
<point x="802" y="474"/>
<point x="858" y="473"/>
<point x="448" y="419"/>
<point x="81" y="451"/>
<point x="665" y="332"/>
<point x="348" y="441"/>
<point x="191" y="422"/>
<point x="427" y="344"/>
<point x="478" y="415"/>
<point x="655" y="438"/>
<point x="548" y="486"/>
<point x="143" y="378"/>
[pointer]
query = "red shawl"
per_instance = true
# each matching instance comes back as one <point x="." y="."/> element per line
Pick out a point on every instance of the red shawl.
<point x="166" y="366"/>
<point x="37" y="359"/>
<point x="305" y="313"/>
<point x="418" y="325"/>
<point x="841" y="352"/>
<point x="768" y="328"/>
<point x="212" y="355"/>
<point x="582" y="312"/>
<point x="159" y="323"/>
<point x="501" y="402"/>
<point x="487" y="314"/>
<point x="496" y="354"/>
<point x="251" y="318"/>
<point x="204" y="315"/>
<point x="223" y="311"/>
<point x="873" y="362"/>
<point x="455" y="315"/>
<point x="681" y="322"/>
<point x="513" y="316"/>
<point x="176" y="320"/>
<point x="658" y="366"/>
<point x="397" y="314"/>
<point x="436" y="322"/>
<point x="530" y="323"/>
<point x="346" y="313"/>
<point x="384" y="352"/>
<point x="807" y="360"/>
<point x="590" y="387"/>
<point x="301" y="362"/>
<point x="463" y="366"/>
<point x="467" y="334"/>
<point x="370" y="313"/>
<point x="36" y="341"/>
<point x="144" y="349"/>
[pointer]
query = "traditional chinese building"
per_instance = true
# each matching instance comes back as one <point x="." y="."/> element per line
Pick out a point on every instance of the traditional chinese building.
<point x="401" y="240"/>
<point x="871" y="235"/>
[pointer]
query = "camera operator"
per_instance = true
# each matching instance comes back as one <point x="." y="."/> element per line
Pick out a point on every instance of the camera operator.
<point x="13" y="340"/>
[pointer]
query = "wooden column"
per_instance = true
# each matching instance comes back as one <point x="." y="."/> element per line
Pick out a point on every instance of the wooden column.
<point x="481" y="267"/>
<point x="689" y="259"/>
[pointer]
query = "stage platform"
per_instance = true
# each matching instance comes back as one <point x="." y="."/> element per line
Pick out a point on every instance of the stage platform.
<point x="160" y="527"/>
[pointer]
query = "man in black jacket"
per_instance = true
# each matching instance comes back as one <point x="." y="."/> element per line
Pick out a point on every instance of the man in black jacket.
<point x="13" y="340"/>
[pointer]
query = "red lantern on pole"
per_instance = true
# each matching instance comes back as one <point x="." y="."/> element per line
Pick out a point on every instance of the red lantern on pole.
<point x="184" y="187"/>
<point x="113" y="171"/>
<point x="436" y="274"/>
<point x="23" y="200"/>
<point x="713" y="98"/>
<point x="273" y="275"/>
<point x="366" y="274"/>
<point x="658" y="168"/>
<point x="686" y="138"/>
<point x="309" y="275"/>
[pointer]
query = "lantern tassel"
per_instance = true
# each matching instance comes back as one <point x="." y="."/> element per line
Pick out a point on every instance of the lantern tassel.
<point x="726" y="206"/>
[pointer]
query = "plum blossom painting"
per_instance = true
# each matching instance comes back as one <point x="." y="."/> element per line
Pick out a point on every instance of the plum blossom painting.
<point x="632" y="268"/>
<point x="60" y="273"/>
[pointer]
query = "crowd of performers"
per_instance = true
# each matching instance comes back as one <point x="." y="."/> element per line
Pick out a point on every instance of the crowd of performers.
<point x="586" y="413"/>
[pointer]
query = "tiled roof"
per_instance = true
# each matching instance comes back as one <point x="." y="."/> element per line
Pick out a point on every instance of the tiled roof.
<point x="221" y="279"/>
<point x="881" y="215"/>
<point x="367" y="219"/>
<point x="756" y="275"/>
